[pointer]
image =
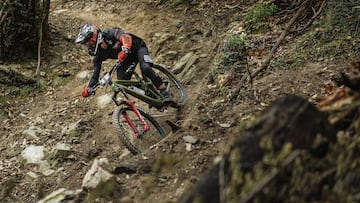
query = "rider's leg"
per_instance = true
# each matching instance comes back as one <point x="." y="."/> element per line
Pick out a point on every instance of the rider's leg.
<point x="145" y="61"/>
<point x="121" y="71"/>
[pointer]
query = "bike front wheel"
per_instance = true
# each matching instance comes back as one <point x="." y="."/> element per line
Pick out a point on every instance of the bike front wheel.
<point x="130" y="129"/>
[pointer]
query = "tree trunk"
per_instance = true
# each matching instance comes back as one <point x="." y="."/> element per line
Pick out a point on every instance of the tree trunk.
<point x="17" y="22"/>
<point x="45" y="24"/>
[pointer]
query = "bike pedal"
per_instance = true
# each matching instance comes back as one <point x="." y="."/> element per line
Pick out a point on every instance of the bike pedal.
<point x="171" y="103"/>
<point x="174" y="127"/>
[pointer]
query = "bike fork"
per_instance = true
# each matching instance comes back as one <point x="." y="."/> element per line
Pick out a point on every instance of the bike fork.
<point x="146" y="126"/>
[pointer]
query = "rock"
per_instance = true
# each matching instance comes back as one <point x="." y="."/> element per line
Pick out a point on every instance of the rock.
<point x="32" y="175"/>
<point x="188" y="76"/>
<point x="104" y="100"/>
<point x="33" y="154"/>
<point x="179" y="66"/>
<point x="188" y="147"/>
<point x="45" y="168"/>
<point x="71" y="129"/>
<point x="190" y="139"/>
<point x="30" y="133"/>
<point x="98" y="181"/>
<point x="62" y="147"/>
<point x="84" y="74"/>
<point x="38" y="120"/>
<point x="161" y="38"/>
<point x="61" y="195"/>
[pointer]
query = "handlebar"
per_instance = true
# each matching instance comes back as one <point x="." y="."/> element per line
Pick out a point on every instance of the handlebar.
<point x="92" y="91"/>
<point x="106" y="78"/>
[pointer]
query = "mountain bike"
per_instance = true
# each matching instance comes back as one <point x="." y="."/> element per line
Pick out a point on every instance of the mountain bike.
<point x="137" y="129"/>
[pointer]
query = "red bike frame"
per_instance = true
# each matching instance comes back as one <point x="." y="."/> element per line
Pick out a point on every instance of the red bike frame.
<point x="146" y="126"/>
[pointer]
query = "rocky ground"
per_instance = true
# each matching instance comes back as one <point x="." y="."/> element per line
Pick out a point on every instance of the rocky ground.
<point x="75" y="132"/>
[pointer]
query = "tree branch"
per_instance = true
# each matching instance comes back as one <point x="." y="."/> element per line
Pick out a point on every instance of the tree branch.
<point x="272" y="52"/>
<point x="316" y="13"/>
<point x="3" y="16"/>
<point x="37" y="73"/>
<point x="3" y="8"/>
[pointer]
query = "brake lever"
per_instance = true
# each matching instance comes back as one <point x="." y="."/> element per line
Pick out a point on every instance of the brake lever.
<point x="92" y="91"/>
<point x="105" y="79"/>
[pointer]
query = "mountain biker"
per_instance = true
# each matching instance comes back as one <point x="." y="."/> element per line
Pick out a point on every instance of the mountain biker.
<point x="114" y="43"/>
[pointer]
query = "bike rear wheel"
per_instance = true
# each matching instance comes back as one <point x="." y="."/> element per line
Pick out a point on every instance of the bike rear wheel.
<point x="175" y="87"/>
<point x="127" y="134"/>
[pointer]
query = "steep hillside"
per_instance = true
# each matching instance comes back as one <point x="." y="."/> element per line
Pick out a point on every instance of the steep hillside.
<point x="75" y="131"/>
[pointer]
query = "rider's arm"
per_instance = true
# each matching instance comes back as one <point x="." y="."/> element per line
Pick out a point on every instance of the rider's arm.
<point x="119" y="39"/>
<point x="93" y="80"/>
<point x="126" y="43"/>
<point x="96" y="72"/>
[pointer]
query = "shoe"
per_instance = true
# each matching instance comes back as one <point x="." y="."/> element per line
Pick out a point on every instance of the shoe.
<point x="167" y="96"/>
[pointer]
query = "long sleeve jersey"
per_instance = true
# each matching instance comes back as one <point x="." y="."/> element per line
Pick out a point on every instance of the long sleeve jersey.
<point x="121" y="46"/>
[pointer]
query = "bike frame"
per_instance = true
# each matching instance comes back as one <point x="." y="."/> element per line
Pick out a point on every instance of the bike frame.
<point x="155" y="100"/>
<point x="117" y="87"/>
<point x="146" y="126"/>
<point x="151" y="96"/>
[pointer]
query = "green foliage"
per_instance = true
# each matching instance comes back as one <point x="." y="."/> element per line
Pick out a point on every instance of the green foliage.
<point x="257" y="15"/>
<point x="24" y="92"/>
<point x="233" y="50"/>
<point x="260" y="12"/>
<point x="335" y="34"/>
<point x="235" y="42"/>
<point x="233" y="55"/>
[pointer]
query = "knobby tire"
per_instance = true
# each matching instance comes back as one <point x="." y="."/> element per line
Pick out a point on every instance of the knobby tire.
<point x="126" y="134"/>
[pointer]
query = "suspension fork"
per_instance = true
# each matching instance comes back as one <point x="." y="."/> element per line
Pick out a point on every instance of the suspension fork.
<point x="146" y="126"/>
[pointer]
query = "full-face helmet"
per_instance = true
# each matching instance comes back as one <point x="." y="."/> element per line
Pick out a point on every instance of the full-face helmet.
<point x="91" y="36"/>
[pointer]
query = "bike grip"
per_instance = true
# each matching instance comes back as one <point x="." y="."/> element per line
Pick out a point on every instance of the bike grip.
<point x="92" y="91"/>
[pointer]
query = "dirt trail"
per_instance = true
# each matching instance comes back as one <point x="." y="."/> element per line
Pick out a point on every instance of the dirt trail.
<point x="170" y="34"/>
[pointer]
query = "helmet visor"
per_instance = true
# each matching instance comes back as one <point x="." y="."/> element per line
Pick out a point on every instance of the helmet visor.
<point x="85" y="33"/>
<point x="80" y="39"/>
